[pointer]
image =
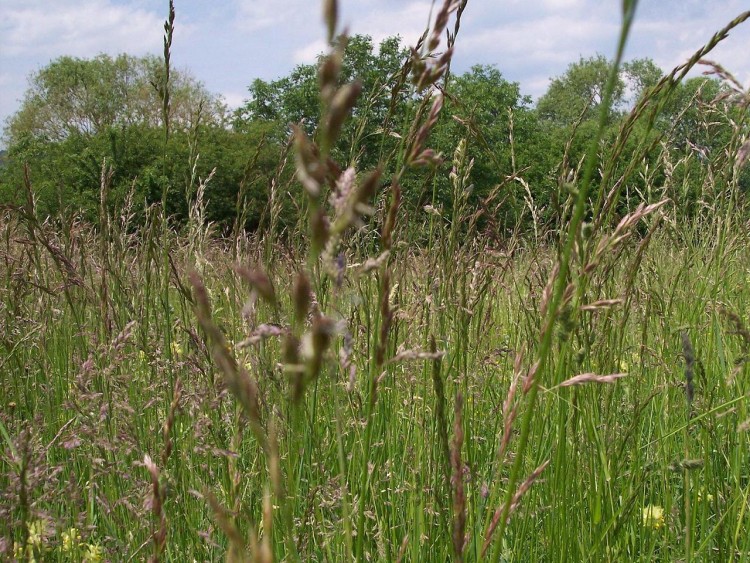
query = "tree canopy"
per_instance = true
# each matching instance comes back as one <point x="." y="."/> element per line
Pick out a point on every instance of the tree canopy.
<point x="79" y="113"/>
<point x="87" y="96"/>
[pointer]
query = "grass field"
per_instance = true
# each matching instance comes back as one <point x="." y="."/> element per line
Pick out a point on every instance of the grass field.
<point x="349" y="391"/>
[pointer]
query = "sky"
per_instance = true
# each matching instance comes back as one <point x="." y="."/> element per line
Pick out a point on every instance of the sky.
<point x="227" y="44"/>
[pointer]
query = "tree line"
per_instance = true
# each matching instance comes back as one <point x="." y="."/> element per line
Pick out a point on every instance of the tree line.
<point x="79" y="116"/>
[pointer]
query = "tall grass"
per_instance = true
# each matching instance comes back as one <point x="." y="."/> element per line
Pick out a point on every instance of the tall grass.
<point x="356" y="396"/>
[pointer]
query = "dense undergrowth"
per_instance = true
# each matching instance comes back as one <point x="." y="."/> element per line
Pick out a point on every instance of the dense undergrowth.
<point x="371" y="386"/>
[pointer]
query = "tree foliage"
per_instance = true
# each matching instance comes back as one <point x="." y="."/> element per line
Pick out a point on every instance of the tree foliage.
<point x="87" y="96"/>
<point x="79" y="114"/>
<point x="294" y="98"/>
<point x="578" y="93"/>
<point x="502" y="132"/>
<point x="639" y="76"/>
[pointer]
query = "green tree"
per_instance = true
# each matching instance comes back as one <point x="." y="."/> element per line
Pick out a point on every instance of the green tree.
<point x="698" y="122"/>
<point x="640" y="75"/>
<point x="112" y="114"/>
<point x="490" y="112"/>
<point x="72" y="95"/>
<point x="686" y="113"/>
<point x="579" y="91"/>
<point x="295" y="97"/>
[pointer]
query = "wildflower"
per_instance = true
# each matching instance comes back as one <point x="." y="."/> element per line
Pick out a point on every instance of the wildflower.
<point x="176" y="349"/>
<point x="19" y="554"/>
<point x="626" y="363"/>
<point x="18" y="551"/>
<point x="653" y="516"/>
<point x="93" y="554"/>
<point x="70" y="540"/>
<point x="36" y="533"/>
<point x="702" y="495"/>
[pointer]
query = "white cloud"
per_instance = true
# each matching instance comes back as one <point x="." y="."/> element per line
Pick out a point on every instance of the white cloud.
<point x="255" y="15"/>
<point x="49" y="29"/>
<point x="234" y="99"/>
<point x="562" y="4"/>
<point x="407" y="21"/>
<point x="535" y="85"/>
<point x="545" y="39"/>
<point x="308" y="54"/>
<point x="532" y="50"/>
<point x="253" y="18"/>
<point x="672" y="41"/>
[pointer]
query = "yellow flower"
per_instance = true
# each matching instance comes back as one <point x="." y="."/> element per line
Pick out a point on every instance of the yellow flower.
<point x="176" y="349"/>
<point x="653" y="516"/>
<point x="19" y="555"/>
<point x="70" y="540"/>
<point x="36" y="533"/>
<point x="625" y="364"/>
<point x="93" y="553"/>
<point x="702" y="494"/>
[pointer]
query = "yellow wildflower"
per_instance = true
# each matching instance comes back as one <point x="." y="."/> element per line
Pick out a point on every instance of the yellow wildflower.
<point x="702" y="494"/>
<point x="70" y="540"/>
<point x="625" y="364"/>
<point x="20" y="555"/>
<point x="93" y="554"/>
<point x="176" y="349"/>
<point x="36" y="533"/>
<point x="653" y="516"/>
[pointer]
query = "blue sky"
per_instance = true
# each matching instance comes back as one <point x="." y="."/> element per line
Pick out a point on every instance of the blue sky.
<point x="228" y="44"/>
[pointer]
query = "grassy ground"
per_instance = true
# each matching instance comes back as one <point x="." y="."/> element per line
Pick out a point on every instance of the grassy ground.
<point x="345" y="393"/>
<point x="104" y="363"/>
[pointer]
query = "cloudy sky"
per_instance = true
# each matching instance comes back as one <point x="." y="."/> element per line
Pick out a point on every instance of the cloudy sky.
<point x="227" y="44"/>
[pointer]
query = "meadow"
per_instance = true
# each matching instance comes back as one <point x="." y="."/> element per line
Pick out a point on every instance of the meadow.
<point x="377" y="385"/>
